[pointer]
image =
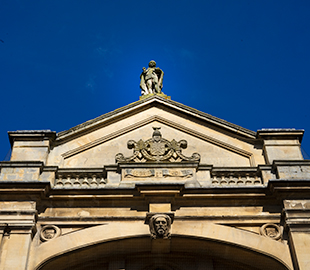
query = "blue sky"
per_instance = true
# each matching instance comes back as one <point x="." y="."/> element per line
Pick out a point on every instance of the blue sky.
<point x="66" y="62"/>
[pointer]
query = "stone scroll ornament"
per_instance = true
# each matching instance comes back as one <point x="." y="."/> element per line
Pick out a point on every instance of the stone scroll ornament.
<point x="160" y="226"/>
<point x="157" y="149"/>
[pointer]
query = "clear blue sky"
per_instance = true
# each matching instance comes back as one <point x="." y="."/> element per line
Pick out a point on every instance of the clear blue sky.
<point x="65" y="62"/>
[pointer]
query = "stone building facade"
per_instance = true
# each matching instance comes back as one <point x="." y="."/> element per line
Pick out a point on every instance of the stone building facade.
<point x="155" y="185"/>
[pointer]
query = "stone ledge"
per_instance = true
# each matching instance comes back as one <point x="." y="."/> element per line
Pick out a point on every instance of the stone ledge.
<point x="278" y="133"/>
<point x="290" y="163"/>
<point x="25" y="135"/>
<point x="22" y="164"/>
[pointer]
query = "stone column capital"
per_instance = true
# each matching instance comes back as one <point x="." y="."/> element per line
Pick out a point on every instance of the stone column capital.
<point x="18" y="217"/>
<point x="297" y="215"/>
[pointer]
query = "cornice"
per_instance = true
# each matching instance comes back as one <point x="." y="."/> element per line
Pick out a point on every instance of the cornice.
<point x="280" y="134"/>
<point x="152" y="101"/>
<point x="167" y="122"/>
<point x="33" y="135"/>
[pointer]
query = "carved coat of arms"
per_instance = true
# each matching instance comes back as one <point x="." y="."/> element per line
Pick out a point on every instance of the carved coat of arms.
<point x="157" y="149"/>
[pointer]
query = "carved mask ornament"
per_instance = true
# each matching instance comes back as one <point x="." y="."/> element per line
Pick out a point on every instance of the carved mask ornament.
<point x="160" y="226"/>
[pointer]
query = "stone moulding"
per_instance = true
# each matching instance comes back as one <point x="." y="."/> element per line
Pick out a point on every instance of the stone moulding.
<point x="157" y="149"/>
<point x="169" y="123"/>
<point x="156" y="100"/>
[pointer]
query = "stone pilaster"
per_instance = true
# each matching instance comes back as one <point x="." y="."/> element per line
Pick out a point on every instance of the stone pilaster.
<point x="17" y="225"/>
<point x="297" y="219"/>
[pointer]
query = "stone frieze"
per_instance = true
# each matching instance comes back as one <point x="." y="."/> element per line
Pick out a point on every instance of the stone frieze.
<point x="148" y="174"/>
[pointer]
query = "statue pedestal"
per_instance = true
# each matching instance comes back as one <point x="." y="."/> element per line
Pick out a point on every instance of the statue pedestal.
<point x="161" y="95"/>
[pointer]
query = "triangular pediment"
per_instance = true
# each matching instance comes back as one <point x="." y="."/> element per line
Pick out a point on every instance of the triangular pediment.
<point x="96" y="143"/>
<point x="154" y="101"/>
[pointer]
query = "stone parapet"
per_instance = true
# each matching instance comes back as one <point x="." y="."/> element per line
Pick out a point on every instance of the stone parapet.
<point x="124" y="174"/>
<point x="20" y="170"/>
<point x="250" y="176"/>
<point x="292" y="169"/>
<point x="80" y="178"/>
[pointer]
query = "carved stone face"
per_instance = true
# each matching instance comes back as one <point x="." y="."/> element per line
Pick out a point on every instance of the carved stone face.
<point x="156" y="138"/>
<point x="271" y="232"/>
<point x="49" y="233"/>
<point x="161" y="225"/>
<point x="152" y="64"/>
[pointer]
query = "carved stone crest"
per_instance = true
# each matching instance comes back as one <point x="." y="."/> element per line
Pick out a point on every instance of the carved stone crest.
<point x="160" y="226"/>
<point x="49" y="232"/>
<point x="272" y="231"/>
<point x="157" y="149"/>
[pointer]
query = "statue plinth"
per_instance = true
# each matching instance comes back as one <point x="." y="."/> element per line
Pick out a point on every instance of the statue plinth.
<point x="159" y="94"/>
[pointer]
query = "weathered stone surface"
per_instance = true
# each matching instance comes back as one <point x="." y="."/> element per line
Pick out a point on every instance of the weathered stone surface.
<point x="293" y="169"/>
<point x="297" y="216"/>
<point x="243" y="204"/>
<point x="281" y="144"/>
<point x="32" y="145"/>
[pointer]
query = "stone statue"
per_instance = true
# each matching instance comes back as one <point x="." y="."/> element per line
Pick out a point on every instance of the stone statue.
<point x="151" y="79"/>
<point x="160" y="225"/>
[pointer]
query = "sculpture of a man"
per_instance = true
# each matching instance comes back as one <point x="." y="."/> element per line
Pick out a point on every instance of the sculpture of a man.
<point x="151" y="79"/>
<point x="160" y="226"/>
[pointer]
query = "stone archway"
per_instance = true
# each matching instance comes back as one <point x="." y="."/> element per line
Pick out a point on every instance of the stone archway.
<point x="128" y="246"/>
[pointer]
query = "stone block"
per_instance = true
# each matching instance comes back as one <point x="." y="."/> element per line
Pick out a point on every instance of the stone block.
<point x="29" y="153"/>
<point x="113" y="178"/>
<point x="159" y="207"/>
<point x="281" y="144"/>
<point x="19" y="174"/>
<point x="292" y="169"/>
<point x="31" y="145"/>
